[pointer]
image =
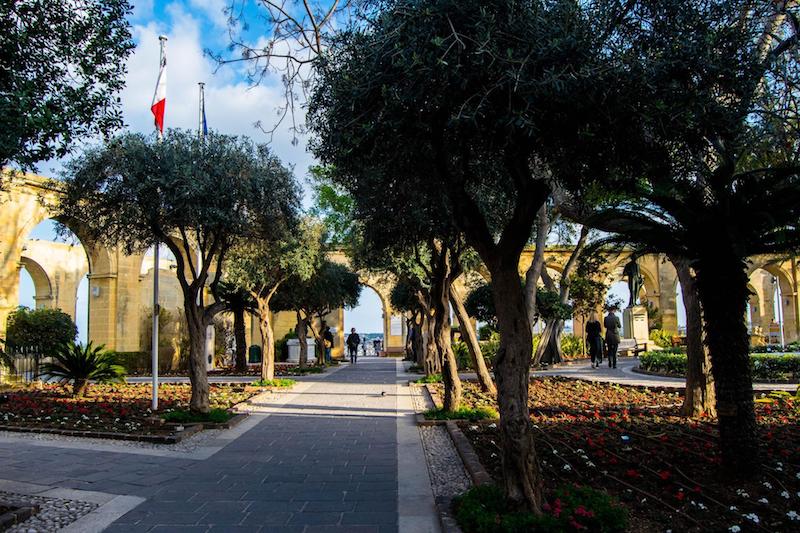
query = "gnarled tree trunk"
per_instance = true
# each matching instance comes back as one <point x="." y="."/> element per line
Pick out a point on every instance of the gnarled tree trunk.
<point x="699" y="398"/>
<point x="268" y="339"/>
<point x="470" y="338"/>
<point x="522" y="475"/>
<point x="198" y="374"/>
<point x="301" y="330"/>
<point x="431" y="360"/>
<point x="240" y="337"/>
<point x="722" y="286"/>
<point x="440" y="302"/>
<point x="548" y="351"/>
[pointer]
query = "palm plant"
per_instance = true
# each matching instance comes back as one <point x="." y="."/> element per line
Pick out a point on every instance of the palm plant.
<point x="237" y="301"/>
<point x="78" y="364"/>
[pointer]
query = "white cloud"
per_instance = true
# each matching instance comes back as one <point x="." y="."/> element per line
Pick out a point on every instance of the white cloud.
<point x="213" y="9"/>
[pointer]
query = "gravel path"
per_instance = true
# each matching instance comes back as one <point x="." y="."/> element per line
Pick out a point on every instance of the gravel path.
<point x="447" y="473"/>
<point x="54" y="513"/>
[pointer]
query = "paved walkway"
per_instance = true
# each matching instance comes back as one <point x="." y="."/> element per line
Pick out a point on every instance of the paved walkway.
<point x="323" y="458"/>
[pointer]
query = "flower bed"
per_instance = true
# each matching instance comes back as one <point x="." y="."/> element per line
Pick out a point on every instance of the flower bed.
<point x="107" y="408"/>
<point x="765" y="367"/>
<point x="662" y="467"/>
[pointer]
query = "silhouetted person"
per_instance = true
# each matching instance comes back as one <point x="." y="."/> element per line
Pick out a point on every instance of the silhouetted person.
<point x="612" y="325"/>
<point x="594" y="338"/>
<point x="327" y="340"/>
<point x="353" y="340"/>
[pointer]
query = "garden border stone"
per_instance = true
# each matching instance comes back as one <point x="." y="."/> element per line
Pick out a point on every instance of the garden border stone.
<point x="640" y="370"/>
<point x="468" y="455"/>
<point x="174" y="438"/>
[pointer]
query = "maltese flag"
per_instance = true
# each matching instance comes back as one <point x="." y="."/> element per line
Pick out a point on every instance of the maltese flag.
<point x="160" y="96"/>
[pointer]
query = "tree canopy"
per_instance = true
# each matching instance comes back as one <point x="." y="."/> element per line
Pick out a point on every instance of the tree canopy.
<point x="62" y="65"/>
<point x="330" y="287"/>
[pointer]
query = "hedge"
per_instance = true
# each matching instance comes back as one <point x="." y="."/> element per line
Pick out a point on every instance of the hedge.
<point x="765" y="367"/>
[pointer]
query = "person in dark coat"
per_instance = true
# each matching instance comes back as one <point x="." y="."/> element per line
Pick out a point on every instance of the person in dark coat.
<point x="327" y="339"/>
<point x="594" y="338"/>
<point x="612" y="325"/>
<point x="353" y="340"/>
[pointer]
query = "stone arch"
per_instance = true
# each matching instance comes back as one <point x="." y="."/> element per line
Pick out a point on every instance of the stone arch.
<point x="43" y="288"/>
<point x="761" y="276"/>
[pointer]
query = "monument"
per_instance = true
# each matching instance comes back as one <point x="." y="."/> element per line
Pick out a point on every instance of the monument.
<point x="634" y="317"/>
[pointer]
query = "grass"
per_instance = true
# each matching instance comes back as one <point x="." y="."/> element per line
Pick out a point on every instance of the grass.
<point x="277" y="382"/>
<point x="463" y="413"/>
<point x="181" y="416"/>
<point x="431" y="378"/>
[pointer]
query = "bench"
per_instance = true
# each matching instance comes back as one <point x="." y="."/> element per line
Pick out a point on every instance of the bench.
<point x="631" y="348"/>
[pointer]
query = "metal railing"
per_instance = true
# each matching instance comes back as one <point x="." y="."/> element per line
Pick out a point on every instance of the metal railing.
<point x="21" y="365"/>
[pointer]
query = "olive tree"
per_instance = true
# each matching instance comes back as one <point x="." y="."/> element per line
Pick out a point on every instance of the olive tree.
<point x="197" y="198"/>
<point x="330" y="287"/>
<point x="467" y="102"/>
<point x="260" y="266"/>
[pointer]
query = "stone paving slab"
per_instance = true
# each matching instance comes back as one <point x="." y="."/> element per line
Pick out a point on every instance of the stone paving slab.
<point x="324" y="457"/>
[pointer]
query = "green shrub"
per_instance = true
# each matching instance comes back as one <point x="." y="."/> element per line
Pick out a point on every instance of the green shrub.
<point x="661" y="337"/>
<point x="485" y="332"/>
<point x="463" y="360"/>
<point x="472" y="414"/>
<point x="78" y="364"/>
<point x="571" y="345"/>
<point x="40" y="331"/>
<point x="484" y="509"/>
<point x="489" y="349"/>
<point x="765" y="367"/>
<point x="277" y="382"/>
<point x="181" y="416"/>
<point x="432" y="378"/>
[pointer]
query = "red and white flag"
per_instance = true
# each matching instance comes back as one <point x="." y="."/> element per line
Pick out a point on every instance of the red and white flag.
<point x="160" y="96"/>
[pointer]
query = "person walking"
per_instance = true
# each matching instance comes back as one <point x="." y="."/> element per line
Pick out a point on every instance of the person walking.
<point x="612" y="325"/>
<point x="353" y="340"/>
<point x="327" y="340"/>
<point x="594" y="338"/>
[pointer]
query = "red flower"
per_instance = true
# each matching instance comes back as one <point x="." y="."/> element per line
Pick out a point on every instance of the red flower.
<point x="632" y="473"/>
<point x="665" y="474"/>
<point x="680" y="495"/>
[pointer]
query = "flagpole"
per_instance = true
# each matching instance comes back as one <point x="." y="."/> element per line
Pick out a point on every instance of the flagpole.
<point x="200" y="111"/>
<point x="156" y="307"/>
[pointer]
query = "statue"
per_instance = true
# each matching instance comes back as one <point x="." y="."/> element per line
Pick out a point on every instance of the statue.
<point x="635" y="281"/>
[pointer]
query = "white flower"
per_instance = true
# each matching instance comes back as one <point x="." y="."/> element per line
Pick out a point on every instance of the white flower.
<point x="492" y="426"/>
<point x="555" y="452"/>
<point x="767" y="484"/>
<point x="793" y="515"/>
<point x="473" y="428"/>
<point x="734" y="508"/>
<point x="763" y="500"/>
<point x="753" y="517"/>
<point x="734" y="529"/>
<point x="580" y="451"/>
<point x="797" y="475"/>
<point x="590" y="464"/>
<point x="702" y="506"/>
<point x="742" y="493"/>
<point x="566" y="468"/>
<point x="785" y="494"/>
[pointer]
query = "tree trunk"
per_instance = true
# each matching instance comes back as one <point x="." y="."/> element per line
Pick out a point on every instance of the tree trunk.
<point x="548" y="351"/>
<point x="301" y="330"/>
<point x="444" y="347"/>
<point x="268" y="339"/>
<point x="432" y="362"/>
<point x="522" y="476"/>
<point x="722" y="286"/>
<point x="79" y="387"/>
<point x="240" y="339"/>
<point x="537" y="264"/>
<point x="699" y="398"/>
<point x="471" y="339"/>
<point x="198" y="374"/>
<point x="419" y="341"/>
